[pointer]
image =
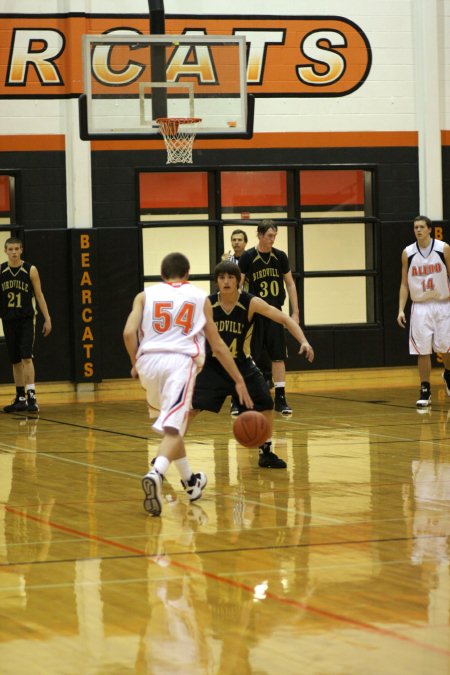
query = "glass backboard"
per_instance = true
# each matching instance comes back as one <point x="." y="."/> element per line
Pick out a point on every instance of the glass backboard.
<point x="130" y="81"/>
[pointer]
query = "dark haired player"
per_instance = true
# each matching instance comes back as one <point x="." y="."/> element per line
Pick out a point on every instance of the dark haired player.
<point x="426" y="278"/>
<point x="20" y="289"/>
<point x="233" y="314"/>
<point x="165" y="339"/>
<point x="265" y="272"/>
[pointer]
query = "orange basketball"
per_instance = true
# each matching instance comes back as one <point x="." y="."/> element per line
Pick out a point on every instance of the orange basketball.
<point x="251" y="429"/>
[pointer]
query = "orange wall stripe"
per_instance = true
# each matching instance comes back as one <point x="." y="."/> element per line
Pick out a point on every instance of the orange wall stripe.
<point x="346" y="139"/>
<point x="445" y="137"/>
<point x="32" y="143"/>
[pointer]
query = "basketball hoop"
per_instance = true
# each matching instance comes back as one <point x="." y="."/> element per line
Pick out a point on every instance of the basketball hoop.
<point x="178" y="137"/>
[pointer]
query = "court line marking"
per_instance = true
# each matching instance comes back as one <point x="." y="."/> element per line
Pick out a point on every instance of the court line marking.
<point x="290" y="602"/>
<point x="12" y="448"/>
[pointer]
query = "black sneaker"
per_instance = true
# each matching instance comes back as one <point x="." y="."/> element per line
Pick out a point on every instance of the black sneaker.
<point x="234" y="409"/>
<point x="269" y="460"/>
<point x="282" y="406"/>
<point x="424" y="399"/>
<point x="446" y="378"/>
<point x="19" y="404"/>
<point x="31" y="402"/>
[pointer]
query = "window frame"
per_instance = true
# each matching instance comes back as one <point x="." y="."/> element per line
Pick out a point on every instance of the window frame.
<point x="294" y="221"/>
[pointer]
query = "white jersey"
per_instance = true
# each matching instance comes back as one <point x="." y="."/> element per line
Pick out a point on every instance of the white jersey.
<point x="173" y="320"/>
<point x="427" y="274"/>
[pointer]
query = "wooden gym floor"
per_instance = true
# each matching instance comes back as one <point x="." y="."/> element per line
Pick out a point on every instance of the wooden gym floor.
<point x="338" y="565"/>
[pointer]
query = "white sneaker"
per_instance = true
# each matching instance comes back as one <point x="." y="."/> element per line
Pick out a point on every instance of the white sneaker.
<point x="194" y="486"/>
<point x="152" y="486"/>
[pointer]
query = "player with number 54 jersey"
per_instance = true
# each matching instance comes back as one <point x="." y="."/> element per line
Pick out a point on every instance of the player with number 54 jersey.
<point x="173" y="320"/>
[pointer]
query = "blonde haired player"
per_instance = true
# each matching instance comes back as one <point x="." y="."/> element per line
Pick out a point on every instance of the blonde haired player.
<point x="426" y="278"/>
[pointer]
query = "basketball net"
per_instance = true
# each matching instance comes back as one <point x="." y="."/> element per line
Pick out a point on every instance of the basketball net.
<point x="178" y="137"/>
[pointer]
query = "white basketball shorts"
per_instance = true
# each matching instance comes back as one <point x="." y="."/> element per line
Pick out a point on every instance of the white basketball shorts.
<point x="429" y="328"/>
<point x="169" y="382"/>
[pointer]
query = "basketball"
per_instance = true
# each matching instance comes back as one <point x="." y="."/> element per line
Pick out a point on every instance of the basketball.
<point x="251" y="429"/>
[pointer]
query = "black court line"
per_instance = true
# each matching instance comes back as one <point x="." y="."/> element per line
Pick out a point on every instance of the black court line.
<point x="214" y="551"/>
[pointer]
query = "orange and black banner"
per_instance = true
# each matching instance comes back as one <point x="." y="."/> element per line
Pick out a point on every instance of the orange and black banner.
<point x="86" y="337"/>
<point x="304" y="56"/>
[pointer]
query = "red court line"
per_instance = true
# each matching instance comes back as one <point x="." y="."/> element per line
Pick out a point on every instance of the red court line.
<point x="235" y="584"/>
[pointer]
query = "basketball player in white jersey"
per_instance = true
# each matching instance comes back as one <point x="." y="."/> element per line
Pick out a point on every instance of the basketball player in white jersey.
<point x="426" y="278"/>
<point x="165" y="338"/>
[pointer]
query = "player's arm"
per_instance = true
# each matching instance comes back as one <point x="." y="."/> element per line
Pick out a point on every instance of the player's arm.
<point x="447" y="258"/>
<point x="404" y="291"/>
<point x="131" y="330"/>
<point x="259" y="306"/>
<point x="38" y="294"/>
<point x="223" y="355"/>
<point x="243" y="265"/>
<point x="293" y="297"/>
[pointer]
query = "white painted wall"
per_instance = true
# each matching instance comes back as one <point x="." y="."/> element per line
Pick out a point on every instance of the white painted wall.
<point x="402" y="92"/>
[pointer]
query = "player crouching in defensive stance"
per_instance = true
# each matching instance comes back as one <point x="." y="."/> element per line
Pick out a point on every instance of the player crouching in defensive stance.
<point x="233" y="312"/>
<point x="165" y="338"/>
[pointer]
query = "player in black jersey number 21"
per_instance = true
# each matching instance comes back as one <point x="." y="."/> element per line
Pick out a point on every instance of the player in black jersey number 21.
<point x="20" y="286"/>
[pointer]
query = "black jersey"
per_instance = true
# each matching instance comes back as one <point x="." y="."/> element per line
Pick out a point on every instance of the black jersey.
<point x="234" y="327"/>
<point x="264" y="274"/>
<point x="16" y="292"/>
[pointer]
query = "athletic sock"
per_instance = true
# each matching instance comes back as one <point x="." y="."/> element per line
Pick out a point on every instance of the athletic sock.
<point x="279" y="389"/>
<point x="183" y="468"/>
<point x="20" y="391"/>
<point x="161" y="464"/>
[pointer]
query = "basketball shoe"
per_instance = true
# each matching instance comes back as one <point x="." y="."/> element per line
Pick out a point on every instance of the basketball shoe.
<point x="446" y="378"/>
<point x="281" y="405"/>
<point x="32" y="405"/>
<point x="268" y="459"/>
<point x="234" y="408"/>
<point x="195" y="485"/>
<point x="19" y="404"/>
<point x="152" y="486"/>
<point x="424" y="399"/>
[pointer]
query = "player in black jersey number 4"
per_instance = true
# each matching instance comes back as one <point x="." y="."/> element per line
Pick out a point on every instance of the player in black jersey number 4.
<point x="233" y="313"/>
<point x="20" y="286"/>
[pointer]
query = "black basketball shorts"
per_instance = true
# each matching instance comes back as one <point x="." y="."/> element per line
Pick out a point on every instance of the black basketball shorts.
<point x="19" y="338"/>
<point x="213" y="385"/>
<point x="270" y="337"/>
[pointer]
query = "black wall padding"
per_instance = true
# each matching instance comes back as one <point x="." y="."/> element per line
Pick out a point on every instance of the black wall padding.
<point x="48" y="250"/>
<point x="119" y="280"/>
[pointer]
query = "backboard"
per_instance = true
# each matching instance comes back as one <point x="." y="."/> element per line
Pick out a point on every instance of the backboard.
<point x="131" y="80"/>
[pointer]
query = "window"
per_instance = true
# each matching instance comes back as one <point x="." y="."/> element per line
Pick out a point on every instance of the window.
<point x="325" y="225"/>
<point x="173" y="195"/>
<point x="253" y="194"/>
<point x="7" y="213"/>
<point x="338" y="246"/>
